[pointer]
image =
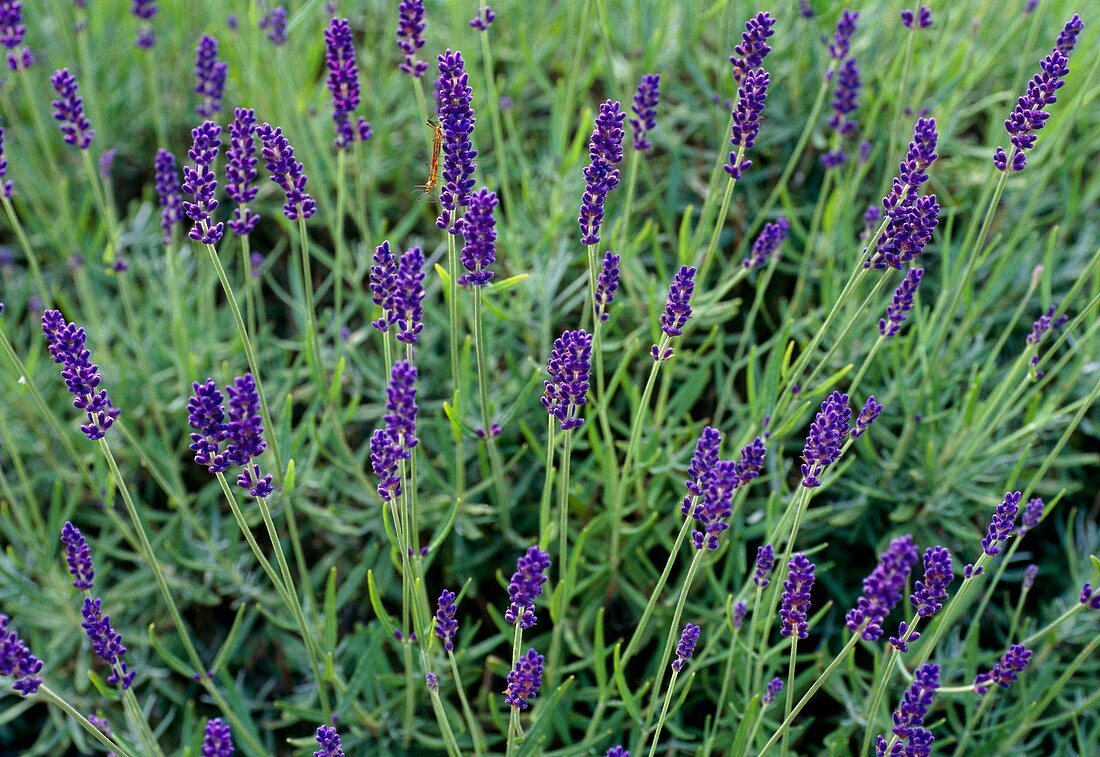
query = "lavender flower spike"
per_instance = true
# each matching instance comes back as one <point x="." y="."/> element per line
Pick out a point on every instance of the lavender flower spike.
<point x="751" y="97"/>
<point x="66" y="345"/>
<point x="765" y="560"/>
<point x="912" y="218"/>
<point x="17" y="661"/>
<point x="767" y="244"/>
<point x="921" y="19"/>
<point x="408" y="310"/>
<point x="607" y="283"/>
<point x="901" y="303"/>
<point x="1005" y="671"/>
<point x="752" y="461"/>
<point x="526" y="586"/>
<point x="870" y="411"/>
<point x="240" y="170"/>
<point x="79" y="557"/>
<point x="217" y="740"/>
<point x="168" y="193"/>
<point x="244" y="435"/>
<point x="701" y="468"/>
<point x="206" y="415"/>
<point x="286" y="172"/>
<point x="605" y="151"/>
<point x="796" y="597"/>
<point x="930" y="594"/>
<point x="274" y="23"/>
<point x="1067" y="38"/>
<point x="201" y="184"/>
<point x="677" y="309"/>
<point x="883" y="588"/>
<point x="479" y="229"/>
<point x="842" y="37"/>
<point x="383" y="286"/>
<point x="568" y="366"/>
<point x="343" y="78"/>
<point x="454" y="103"/>
<point x="400" y="418"/>
<point x="845" y="102"/>
<point x="826" y="438"/>
<point x="210" y="77"/>
<point x="484" y="19"/>
<point x="714" y="511"/>
<point x="524" y="681"/>
<point x="410" y="35"/>
<point x="771" y="691"/>
<point x="445" y="624"/>
<point x="68" y="110"/>
<point x="689" y="637"/>
<point x="384" y="457"/>
<point x="1033" y="515"/>
<point x="1000" y="526"/>
<point x="750" y="54"/>
<point x="106" y="642"/>
<point x="646" y="99"/>
<point x="915" y="703"/>
<point x="329" y="741"/>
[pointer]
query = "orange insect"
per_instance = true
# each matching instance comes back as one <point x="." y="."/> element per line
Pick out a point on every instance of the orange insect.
<point x="433" y="166"/>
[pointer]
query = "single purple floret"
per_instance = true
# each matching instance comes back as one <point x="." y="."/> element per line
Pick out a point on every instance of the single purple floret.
<point x="524" y="681"/>
<point x="144" y="9"/>
<point x="526" y="586"/>
<point x="568" y="366"/>
<point x="796" y="597"/>
<point x="79" y="557"/>
<point x="689" y="637"/>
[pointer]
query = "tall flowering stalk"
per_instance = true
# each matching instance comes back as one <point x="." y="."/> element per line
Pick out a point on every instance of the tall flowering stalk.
<point x="7" y="189"/>
<point x="410" y="36"/>
<point x="647" y="97"/>
<point x="685" y="649"/>
<point x="210" y="74"/>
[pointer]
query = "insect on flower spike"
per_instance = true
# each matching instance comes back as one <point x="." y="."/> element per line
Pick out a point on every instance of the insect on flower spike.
<point x="433" y="167"/>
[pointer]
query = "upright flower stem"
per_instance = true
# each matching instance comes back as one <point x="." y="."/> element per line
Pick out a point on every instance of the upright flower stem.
<point x="664" y="712"/>
<point x="341" y="246"/>
<point x="515" y="730"/>
<point x="249" y="288"/>
<point x="160" y="126"/>
<point x="547" y="488"/>
<point x="28" y="250"/>
<point x="495" y="120"/>
<point x="719" y="223"/>
<point x="631" y="181"/>
<point x="870" y="358"/>
<point x="456" y="395"/>
<point x="51" y="696"/>
<point x="673" y="554"/>
<point x="880" y="687"/>
<point x="790" y="689"/>
<point x="471" y="720"/>
<point x="312" y="343"/>
<point x="495" y="462"/>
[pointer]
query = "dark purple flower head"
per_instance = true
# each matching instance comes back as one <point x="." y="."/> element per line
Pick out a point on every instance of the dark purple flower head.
<point x="826" y="438"/>
<point x="400" y="418"/>
<point x="106" y="642"/>
<point x="343" y="78"/>
<point x="750" y="54"/>
<point x="767" y="244"/>
<point x="1030" y="573"/>
<point x="286" y="172"/>
<point x="617" y="751"/>
<point x="68" y="110"/>
<point x="607" y="283"/>
<point x="765" y="561"/>
<point x="1033" y="514"/>
<point x="363" y="130"/>
<point x="240" y="170"/>
<point x="210" y="77"/>
<point x="845" y="102"/>
<point x="883" y="588"/>
<point x="677" y="309"/>
<point x="17" y="661"/>
<point x="206" y="415"/>
<point x="751" y="97"/>
<point x="901" y="303"/>
<point x="916" y="701"/>
<point x="484" y="19"/>
<point x="12" y="28"/>
<point x="870" y="411"/>
<point x="217" y="740"/>
<point x="910" y="229"/>
<point x="1000" y="526"/>
<point x="646" y="98"/>
<point x="384" y="457"/>
<point x="445" y="624"/>
<point x="107" y="162"/>
<point x="912" y="171"/>
<point x="740" y="610"/>
<point x="1044" y="324"/>
<point x="66" y="345"/>
<point x="244" y="434"/>
<point x="1088" y="596"/>
<point x="5" y="184"/>
<point x="146" y="37"/>
<point x="329" y="741"/>
<point x="771" y="691"/>
<point x="410" y="35"/>
<point x="1005" y="671"/>
<point x="702" y="465"/>
<point x="1067" y="38"/>
<point x="524" y="681"/>
<point x="479" y="229"/>
<point x="408" y="310"/>
<point x="79" y="557"/>
<point x="566" y="391"/>
<point x="201" y="184"/>
<point x="605" y="151"/>
<point x="454" y="104"/>
<point x="168" y="193"/>
<point x="274" y="23"/>
<point x="383" y="285"/>
<point x="796" y="597"/>
<point x="752" y="461"/>
<point x="144" y="9"/>
<point x="715" y="509"/>
<point x="526" y="586"/>
<point x="842" y="37"/>
<point x="929" y="595"/>
<point x="920" y="19"/>
<point x="689" y="637"/>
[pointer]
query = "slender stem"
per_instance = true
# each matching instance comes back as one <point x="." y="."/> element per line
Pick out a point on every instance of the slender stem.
<point x="471" y="721"/>
<point x="159" y="121"/>
<point x="703" y="263"/>
<point x="880" y="686"/>
<point x="456" y="395"/>
<point x="312" y="343"/>
<point x="514" y="728"/>
<point x="499" y="484"/>
<point x="636" y="637"/>
<point x="341" y="246"/>
<point x="664" y="712"/>
<point x="547" y="487"/>
<point x="563" y="522"/>
<point x="137" y="718"/>
<point x="866" y="364"/>
<point x="631" y="181"/>
<point x="790" y="690"/>
<point x="28" y="250"/>
<point x="48" y="694"/>
<point x="498" y="130"/>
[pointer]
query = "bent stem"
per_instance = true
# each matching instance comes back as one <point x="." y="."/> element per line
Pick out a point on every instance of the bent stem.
<point x="664" y="712"/>
<point x="51" y="696"/>
<point x="636" y="637"/>
<point x="471" y="722"/>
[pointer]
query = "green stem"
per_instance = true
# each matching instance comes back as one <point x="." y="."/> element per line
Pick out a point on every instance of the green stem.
<point x="499" y="484"/>
<point x="664" y="712"/>
<point x="866" y="364"/>
<point x="631" y="181"/>
<point x="49" y="695"/>
<point x="159" y="120"/>
<point x="498" y="130"/>
<point x="471" y="721"/>
<point x="456" y="395"/>
<point x="341" y="247"/>
<point x="547" y="488"/>
<point x="28" y="250"/>
<point x="880" y="686"/>
<point x="673" y="554"/>
<point x="312" y="342"/>
<point x="703" y="263"/>
<point x="974" y="719"/>
<point x="790" y="691"/>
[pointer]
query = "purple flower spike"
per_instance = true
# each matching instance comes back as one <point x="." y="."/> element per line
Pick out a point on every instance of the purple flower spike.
<point x="646" y="99"/>
<point x="677" y="309"/>
<point x="526" y="586"/>
<point x="168" y="193"/>
<point x="240" y="170"/>
<point x="703" y="462"/>
<point x="286" y="172"/>
<point x="883" y="588"/>
<point x="524" y="681"/>
<point x="715" y="509"/>
<point x="915" y="703"/>
<point x="842" y="37"/>
<point x="445" y="624"/>
<point x="12" y="28"/>
<point x="383" y="286"/>
<point x="910" y="230"/>
<point x="826" y="438"/>
<point x="689" y="637"/>
<point x="605" y="151"/>
<point x="17" y="661"/>
<point x="144" y="9"/>
<point x="66" y="345"/>
<point x="400" y="419"/>
<point x="454" y="103"/>
<point x="217" y="741"/>
<point x="274" y="23"/>
<point x="617" y="751"/>
<point x="607" y="283"/>
<point x="1087" y="596"/>
<point x="244" y="434"/>
<point x="106" y="642"/>
<point x="484" y="19"/>
<point x="343" y="79"/>
<point x="384" y="457"/>
<point x="479" y="229"/>
<point x="410" y="35"/>
<point x="751" y="97"/>
<point x="922" y="19"/>
<point x="329" y="741"/>
<point x="210" y="77"/>
<point x="1005" y="671"/>
<point x="912" y="171"/>
<point x="845" y="102"/>
<point x="569" y="365"/>
<point x="206" y="415"/>
<point x="1033" y="514"/>
<point x="767" y="244"/>
<point x="408" y="310"/>
<point x="930" y="594"/>
<point x="765" y="561"/>
<point x="771" y="691"/>
<point x="870" y="411"/>
<point x="1067" y="38"/>
<point x="201" y="184"/>
<point x="68" y="110"/>
<point x="750" y="54"/>
<point x="901" y="303"/>
<point x="1000" y="526"/>
<point x="752" y="461"/>
<point x="740" y="610"/>
<point x="796" y="597"/>
<point x="79" y="557"/>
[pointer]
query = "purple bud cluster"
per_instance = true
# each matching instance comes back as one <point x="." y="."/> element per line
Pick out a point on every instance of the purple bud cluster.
<point x="765" y="561"/>
<point x="714" y="511"/>
<point x="12" y="30"/>
<point x="524" y="680"/>
<point x="921" y="19"/>
<point x="1089" y="597"/>
<point x="568" y="366"/>
<point x="384" y="461"/>
<point x="1005" y="671"/>
<point x="677" y="310"/>
<point x="286" y="172"/>
<point x="703" y="462"/>
<point x="329" y="741"/>
<point x="767" y="244"/>
<point x="646" y="99"/>
<point x="771" y="691"/>
<point x="901" y="303"/>
<point x="201" y="184"/>
<point x="754" y="46"/>
<point x="145" y="10"/>
<point x="410" y="35"/>
<point x="242" y="434"/>
<point x="826" y="438"/>
<point x="454" y="103"/>
<point x="168" y="193"/>
<point x="68" y="110"/>
<point x="479" y="230"/>
<point x="617" y="751"/>
<point x="17" y="661"/>
<point x="909" y="717"/>
<point x="605" y="151"/>
<point x="842" y="37"/>
<point x="66" y="346"/>
<point x="929" y="595"/>
<point x="912" y="216"/>
<point x="796" y="597"/>
<point x="240" y="170"/>
<point x="1000" y="526"/>
<point x="607" y="283"/>
<point x="210" y="76"/>
<point x="740" y="610"/>
<point x="1033" y="514"/>
<point x="1039" y="329"/>
<point x="408" y="308"/>
<point x="883" y="588"/>
<point x="106" y="642"/>
<point x="526" y="586"/>
<point x="752" y="461"/>
<point x="401" y="410"/>
<point x="383" y="285"/>
<point x="867" y="416"/>
<point x="274" y="23"/>
<point x="752" y="95"/>
<point x="343" y="79"/>
<point x="445" y="624"/>
<point x="217" y="739"/>
<point x="79" y="557"/>
<point x="845" y="102"/>
<point x="685" y="648"/>
<point x="484" y="19"/>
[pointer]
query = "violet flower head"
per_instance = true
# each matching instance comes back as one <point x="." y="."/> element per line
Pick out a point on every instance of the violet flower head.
<point x="677" y="310"/>
<point x="524" y="681"/>
<point x="106" y="642"/>
<point x="244" y="434"/>
<point x="168" y="193"/>
<point x="410" y="35"/>
<point x="767" y="244"/>
<point x="752" y="461"/>
<point x="912" y="171"/>
<point x="929" y="595"/>
<point x="144" y="9"/>
<point x="751" y="97"/>
<point x="274" y="23"/>
<point x="901" y="303"/>
<point x="568" y="366"/>
<point x="240" y="170"/>
<point x="12" y="31"/>
<point x="617" y="751"/>
<point x="826" y="438"/>
<point x="408" y="310"/>
<point x="68" y="110"/>
<point x="915" y="703"/>
<point x="1000" y="526"/>
<point x="605" y="151"/>
<point x="479" y="229"/>
<point x="484" y="19"/>
<point x="845" y="102"/>
<point x="702" y="465"/>
<point x="765" y="561"/>
<point x="210" y="77"/>
<point x="716" y="507"/>
<point x="146" y="37"/>
<point x="1088" y="596"/>
<point x="217" y="740"/>
<point x="286" y="172"/>
<point x="689" y="637"/>
<point x="201" y="184"/>
<point x="454" y="103"/>
<point x="400" y="418"/>
<point x="740" y="610"/>
<point x="1030" y="574"/>
<point x="384" y="458"/>
<point x="343" y="79"/>
<point x="842" y="37"/>
<point x="750" y="54"/>
<point x="445" y="624"/>
<point x="906" y="236"/>
<point x="383" y="285"/>
<point x="206" y="415"/>
<point x="646" y="99"/>
<point x="607" y="283"/>
<point x="1067" y="38"/>
<point x="17" y="661"/>
<point x="6" y="185"/>
<point x="771" y="691"/>
<point x="870" y="411"/>
<point x="526" y="586"/>
<point x="920" y="19"/>
<point x="1033" y="514"/>
<point x="79" y="557"/>
<point x="66" y="345"/>
<point x="883" y="588"/>
<point x="1005" y="671"/>
<point x="796" y="597"/>
<point x="329" y="741"/>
